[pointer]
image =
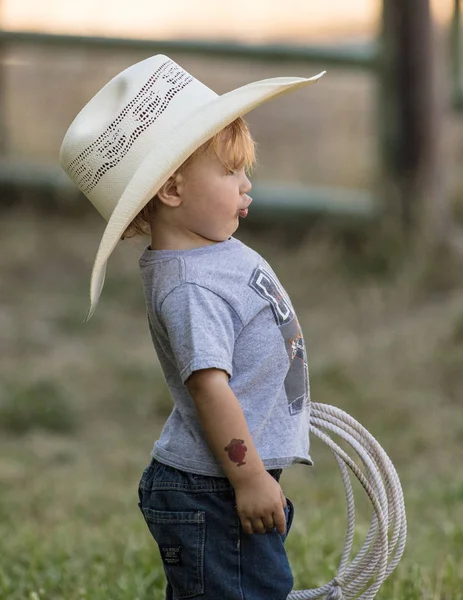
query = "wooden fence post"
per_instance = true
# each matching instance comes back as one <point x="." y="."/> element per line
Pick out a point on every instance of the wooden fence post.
<point x="3" y="142"/>
<point x="411" y="120"/>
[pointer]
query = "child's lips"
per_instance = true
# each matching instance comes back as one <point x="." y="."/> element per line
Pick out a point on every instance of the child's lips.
<point x="243" y="212"/>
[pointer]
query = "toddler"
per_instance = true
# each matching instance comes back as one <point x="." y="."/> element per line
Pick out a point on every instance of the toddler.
<point x="159" y="153"/>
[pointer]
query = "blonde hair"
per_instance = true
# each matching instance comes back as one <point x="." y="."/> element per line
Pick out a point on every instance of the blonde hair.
<point x="236" y="150"/>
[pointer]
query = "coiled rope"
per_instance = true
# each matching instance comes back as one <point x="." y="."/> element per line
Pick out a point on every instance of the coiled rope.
<point x="385" y="541"/>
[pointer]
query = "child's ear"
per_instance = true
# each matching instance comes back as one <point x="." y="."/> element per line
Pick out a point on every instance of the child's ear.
<point x="169" y="192"/>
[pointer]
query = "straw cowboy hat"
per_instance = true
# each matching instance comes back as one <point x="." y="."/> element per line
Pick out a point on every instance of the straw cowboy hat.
<point x="138" y="129"/>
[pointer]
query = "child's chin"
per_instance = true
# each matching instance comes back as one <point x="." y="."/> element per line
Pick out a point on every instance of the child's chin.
<point x="224" y="235"/>
<point x="217" y="237"/>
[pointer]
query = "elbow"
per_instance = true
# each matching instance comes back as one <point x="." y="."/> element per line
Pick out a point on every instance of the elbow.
<point x="206" y="379"/>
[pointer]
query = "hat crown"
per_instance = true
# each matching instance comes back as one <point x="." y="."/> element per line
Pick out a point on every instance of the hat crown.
<point x="111" y="136"/>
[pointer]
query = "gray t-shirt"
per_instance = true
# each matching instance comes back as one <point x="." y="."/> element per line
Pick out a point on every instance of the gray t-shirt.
<point x="222" y="306"/>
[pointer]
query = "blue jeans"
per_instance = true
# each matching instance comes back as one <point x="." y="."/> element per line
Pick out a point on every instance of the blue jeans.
<point x="205" y="552"/>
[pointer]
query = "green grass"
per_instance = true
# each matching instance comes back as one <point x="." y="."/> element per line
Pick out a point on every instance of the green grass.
<point x="40" y="405"/>
<point x="70" y="528"/>
<point x="90" y="401"/>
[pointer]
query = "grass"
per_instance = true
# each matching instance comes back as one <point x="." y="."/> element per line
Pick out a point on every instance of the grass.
<point x="40" y="405"/>
<point x="90" y="401"/>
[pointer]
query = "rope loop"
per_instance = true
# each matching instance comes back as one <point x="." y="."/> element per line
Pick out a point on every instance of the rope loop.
<point x="385" y="541"/>
<point x="335" y="592"/>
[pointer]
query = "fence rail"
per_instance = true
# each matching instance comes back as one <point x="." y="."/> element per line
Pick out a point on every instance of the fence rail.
<point x="359" y="56"/>
<point x="277" y="200"/>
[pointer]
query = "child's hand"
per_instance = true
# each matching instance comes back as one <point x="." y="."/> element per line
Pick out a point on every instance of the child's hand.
<point x="260" y="503"/>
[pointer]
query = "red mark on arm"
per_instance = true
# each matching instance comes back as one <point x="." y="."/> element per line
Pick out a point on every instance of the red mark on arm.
<point x="236" y="451"/>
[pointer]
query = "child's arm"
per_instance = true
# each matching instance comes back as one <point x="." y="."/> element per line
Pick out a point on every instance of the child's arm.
<point x="259" y="498"/>
<point x="224" y="425"/>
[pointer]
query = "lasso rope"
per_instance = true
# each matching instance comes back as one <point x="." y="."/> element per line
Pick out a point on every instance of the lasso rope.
<point x="385" y="541"/>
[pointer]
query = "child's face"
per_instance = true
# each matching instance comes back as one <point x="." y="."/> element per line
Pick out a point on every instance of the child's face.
<point x="211" y="198"/>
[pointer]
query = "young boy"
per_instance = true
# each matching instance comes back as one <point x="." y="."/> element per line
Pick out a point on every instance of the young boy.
<point x="159" y="153"/>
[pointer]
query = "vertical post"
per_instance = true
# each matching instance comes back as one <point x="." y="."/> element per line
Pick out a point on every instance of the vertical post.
<point x="411" y="125"/>
<point x="3" y="142"/>
<point x="455" y="50"/>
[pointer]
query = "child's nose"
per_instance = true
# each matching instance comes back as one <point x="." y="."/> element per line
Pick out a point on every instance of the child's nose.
<point x="247" y="187"/>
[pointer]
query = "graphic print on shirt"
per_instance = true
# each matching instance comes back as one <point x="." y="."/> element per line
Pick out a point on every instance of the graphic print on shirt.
<point x="297" y="378"/>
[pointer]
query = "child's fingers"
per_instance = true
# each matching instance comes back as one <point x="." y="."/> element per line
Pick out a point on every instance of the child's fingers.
<point x="279" y="519"/>
<point x="269" y="522"/>
<point x="246" y="524"/>
<point x="283" y="499"/>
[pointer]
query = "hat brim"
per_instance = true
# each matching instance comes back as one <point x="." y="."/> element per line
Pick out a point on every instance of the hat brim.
<point x="173" y="147"/>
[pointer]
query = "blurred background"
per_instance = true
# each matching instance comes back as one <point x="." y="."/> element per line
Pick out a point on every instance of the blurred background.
<point x="358" y="206"/>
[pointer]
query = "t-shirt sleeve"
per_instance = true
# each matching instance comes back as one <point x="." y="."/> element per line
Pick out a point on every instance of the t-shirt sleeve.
<point x="202" y="328"/>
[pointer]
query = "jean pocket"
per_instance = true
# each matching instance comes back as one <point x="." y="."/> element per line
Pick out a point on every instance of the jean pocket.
<point x="290" y="514"/>
<point x="146" y="477"/>
<point x="181" y="538"/>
